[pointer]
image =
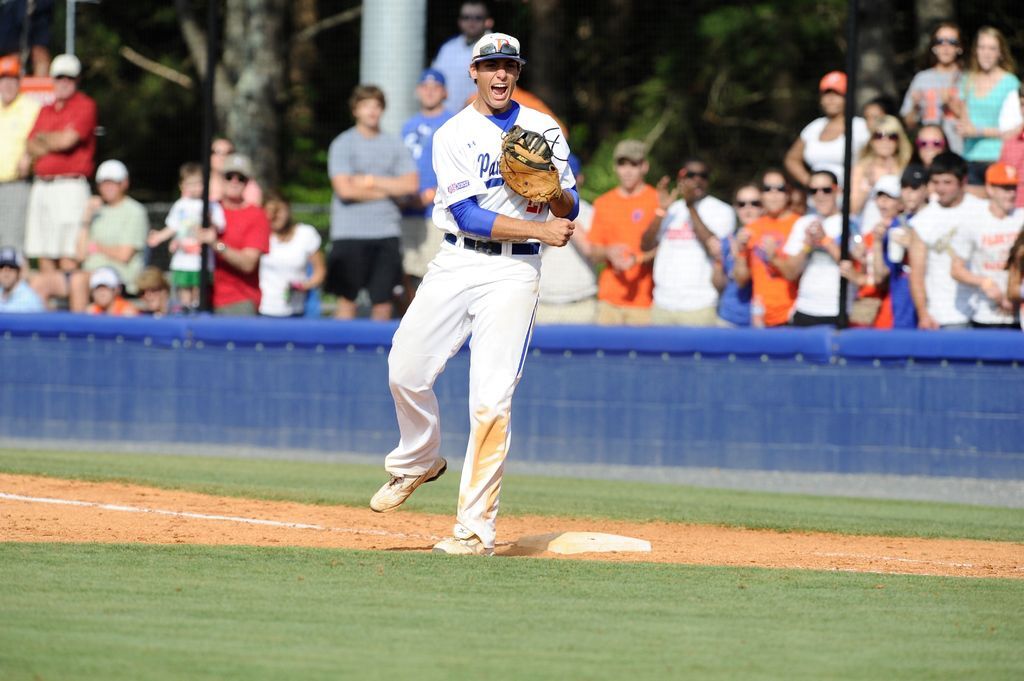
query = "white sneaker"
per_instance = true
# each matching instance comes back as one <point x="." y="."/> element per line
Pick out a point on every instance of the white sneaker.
<point x="396" y="490"/>
<point x="454" y="546"/>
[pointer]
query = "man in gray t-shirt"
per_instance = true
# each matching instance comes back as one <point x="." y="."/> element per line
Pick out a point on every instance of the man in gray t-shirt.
<point x="370" y="171"/>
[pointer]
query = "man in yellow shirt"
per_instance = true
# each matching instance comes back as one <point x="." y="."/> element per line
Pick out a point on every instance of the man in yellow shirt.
<point x="17" y="115"/>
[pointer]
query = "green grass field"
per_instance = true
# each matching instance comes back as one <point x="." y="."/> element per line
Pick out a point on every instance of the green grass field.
<point x="185" y="612"/>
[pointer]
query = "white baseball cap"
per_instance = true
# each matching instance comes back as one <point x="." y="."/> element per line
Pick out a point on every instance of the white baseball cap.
<point x="105" y="276"/>
<point x="65" y="65"/>
<point x="496" y="46"/>
<point x="111" y="170"/>
<point x="888" y="185"/>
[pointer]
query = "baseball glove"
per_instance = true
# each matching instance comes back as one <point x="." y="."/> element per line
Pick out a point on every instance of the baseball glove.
<point x="526" y="165"/>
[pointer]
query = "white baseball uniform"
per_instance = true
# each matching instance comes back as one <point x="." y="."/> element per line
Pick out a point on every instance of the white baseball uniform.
<point x="492" y="296"/>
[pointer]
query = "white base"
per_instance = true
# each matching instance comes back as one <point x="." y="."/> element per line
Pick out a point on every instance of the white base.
<point x="579" y="542"/>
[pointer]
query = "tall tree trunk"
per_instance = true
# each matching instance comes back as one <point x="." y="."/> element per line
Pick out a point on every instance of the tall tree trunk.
<point x="928" y="13"/>
<point x="250" y="92"/>
<point x="301" y="59"/>
<point x="875" y="76"/>
<point x="547" y="51"/>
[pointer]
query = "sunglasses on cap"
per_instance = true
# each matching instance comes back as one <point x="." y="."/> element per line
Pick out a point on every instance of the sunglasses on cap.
<point x="819" y="190"/>
<point x="756" y="203"/>
<point x="773" y="187"/>
<point x="891" y="136"/>
<point x="506" y="48"/>
<point x="946" y="41"/>
<point x="231" y="177"/>
<point x="935" y="144"/>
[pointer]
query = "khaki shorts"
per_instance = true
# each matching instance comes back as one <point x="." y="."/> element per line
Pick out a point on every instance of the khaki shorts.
<point x="622" y="315"/>
<point x="420" y="240"/>
<point x="55" y="210"/>
<point x="704" y="317"/>
<point x="579" y="312"/>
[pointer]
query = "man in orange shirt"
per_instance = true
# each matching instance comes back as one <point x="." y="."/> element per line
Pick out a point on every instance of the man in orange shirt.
<point x="624" y="290"/>
<point x="773" y="294"/>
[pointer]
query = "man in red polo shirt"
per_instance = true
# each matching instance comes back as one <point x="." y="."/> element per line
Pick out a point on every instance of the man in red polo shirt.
<point x="60" y="151"/>
<point x="246" y="236"/>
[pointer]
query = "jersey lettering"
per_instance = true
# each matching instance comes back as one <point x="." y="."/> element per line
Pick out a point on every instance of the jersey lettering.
<point x="487" y="167"/>
<point x="533" y="207"/>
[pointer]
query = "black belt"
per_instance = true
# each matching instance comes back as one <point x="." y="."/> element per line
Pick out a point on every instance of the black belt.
<point x="492" y="247"/>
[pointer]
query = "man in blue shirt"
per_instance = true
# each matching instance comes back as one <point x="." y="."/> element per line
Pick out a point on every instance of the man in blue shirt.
<point x="455" y="54"/>
<point x="15" y="293"/>
<point x="420" y="237"/>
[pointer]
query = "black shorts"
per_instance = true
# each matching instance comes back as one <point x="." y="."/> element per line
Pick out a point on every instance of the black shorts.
<point x="373" y="264"/>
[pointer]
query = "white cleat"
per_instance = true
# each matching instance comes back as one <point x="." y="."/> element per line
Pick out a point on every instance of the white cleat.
<point x="454" y="546"/>
<point x="396" y="490"/>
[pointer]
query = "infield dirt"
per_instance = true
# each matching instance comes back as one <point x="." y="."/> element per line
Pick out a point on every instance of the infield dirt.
<point x="40" y="511"/>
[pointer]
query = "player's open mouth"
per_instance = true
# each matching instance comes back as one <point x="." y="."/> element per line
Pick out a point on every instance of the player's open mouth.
<point x="499" y="90"/>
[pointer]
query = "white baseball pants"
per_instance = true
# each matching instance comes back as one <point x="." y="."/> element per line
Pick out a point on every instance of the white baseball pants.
<point x="494" y="297"/>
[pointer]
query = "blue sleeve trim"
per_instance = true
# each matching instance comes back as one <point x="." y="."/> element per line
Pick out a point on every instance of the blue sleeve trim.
<point x="473" y="219"/>
<point x="575" y="212"/>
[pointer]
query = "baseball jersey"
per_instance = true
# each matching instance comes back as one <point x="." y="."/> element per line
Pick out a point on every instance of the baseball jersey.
<point x="682" y="268"/>
<point x="418" y="135"/>
<point x="936" y="225"/>
<point x="984" y="245"/>
<point x="466" y="153"/>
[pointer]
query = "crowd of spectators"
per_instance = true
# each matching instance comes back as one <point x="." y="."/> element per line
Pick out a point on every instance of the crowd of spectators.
<point x="936" y="214"/>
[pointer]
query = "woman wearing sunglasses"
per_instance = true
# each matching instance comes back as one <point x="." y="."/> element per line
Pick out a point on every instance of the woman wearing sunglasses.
<point x="932" y="91"/>
<point x="734" y="299"/>
<point x="929" y="143"/>
<point x="888" y="153"/>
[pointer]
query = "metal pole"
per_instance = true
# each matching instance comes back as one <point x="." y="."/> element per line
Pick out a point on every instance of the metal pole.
<point x="853" y="7"/>
<point x="386" y="26"/>
<point x="205" y="301"/>
<point x="69" y="28"/>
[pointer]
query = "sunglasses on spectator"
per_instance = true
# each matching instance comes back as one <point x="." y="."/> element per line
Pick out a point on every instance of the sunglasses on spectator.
<point x="816" y="190"/>
<point x="773" y="187"/>
<point x="946" y="41"/>
<point x="231" y="177"/>
<point x="756" y="203"/>
<point x="628" y="162"/>
<point x="703" y="174"/>
<point x="935" y="144"/>
<point x="506" y="48"/>
<point x="63" y="78"/>
<point x="891" y="136"/>
<point x="472" y="17"/>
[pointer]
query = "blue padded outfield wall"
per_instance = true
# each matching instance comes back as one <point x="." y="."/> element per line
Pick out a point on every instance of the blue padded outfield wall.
<point x="947" y="404"/>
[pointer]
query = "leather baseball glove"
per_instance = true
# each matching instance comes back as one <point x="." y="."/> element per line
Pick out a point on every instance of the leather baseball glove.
<point x="526" y="165"/>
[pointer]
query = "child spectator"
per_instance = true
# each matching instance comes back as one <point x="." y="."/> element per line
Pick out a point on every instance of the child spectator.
<point x="933" y="93"/>
<point x="734" y="299"/>
<point x="284" y="271"/>
<point x="773" y="294"/>
<point x="981" y="249"/>
<point x="15" y="293"/>
<point x="983" y="91"/>
<point x="154" y="292"/>
<point x="867" y="270"/>
<point x="105" y="288"/>
<point x="914" y="193"/>
<point x="812" y="255"/>
<point x="182" y="228"/>
<point x="876" y="109"/>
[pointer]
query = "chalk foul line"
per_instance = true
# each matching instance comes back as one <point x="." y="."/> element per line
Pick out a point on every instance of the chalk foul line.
<point x="208" y="516"/>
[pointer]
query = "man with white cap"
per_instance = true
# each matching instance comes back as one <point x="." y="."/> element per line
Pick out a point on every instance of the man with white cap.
<point x="484" y="281"/>
<point x="18" y="114"/>
<point x="113" y="234"/>
<point x="60" y="152"/>
<point x="15" y="293"/>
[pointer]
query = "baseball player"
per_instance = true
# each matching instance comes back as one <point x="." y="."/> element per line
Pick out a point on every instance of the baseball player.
<point x="485" y="281"/>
